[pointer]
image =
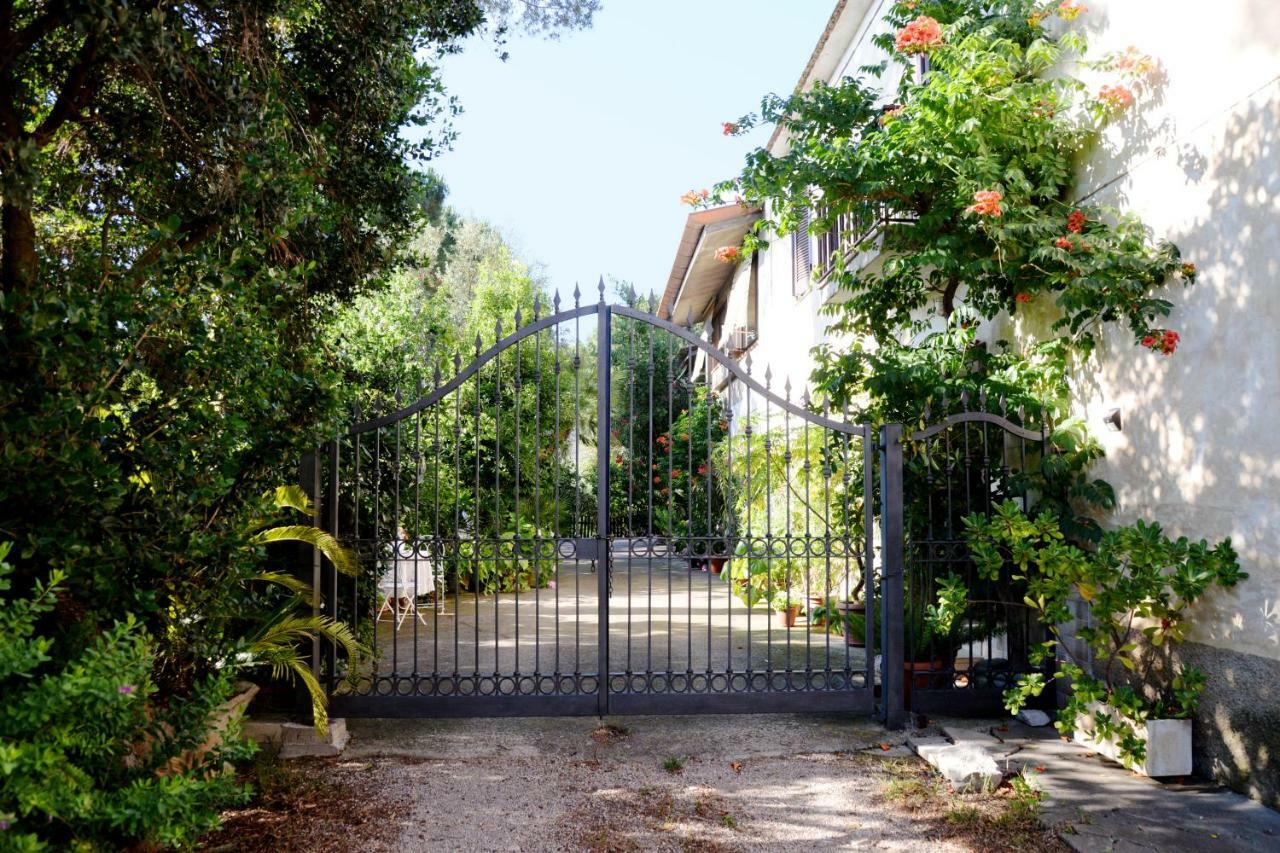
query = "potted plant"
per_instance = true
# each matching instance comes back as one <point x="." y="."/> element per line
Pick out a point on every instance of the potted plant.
<point x="1134" y="702"/>
<point x="854" y="624"/>
<point x="788" y="604"/>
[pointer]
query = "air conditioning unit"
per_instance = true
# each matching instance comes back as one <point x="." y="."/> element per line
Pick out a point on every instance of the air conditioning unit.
<point x="740" y="339"/>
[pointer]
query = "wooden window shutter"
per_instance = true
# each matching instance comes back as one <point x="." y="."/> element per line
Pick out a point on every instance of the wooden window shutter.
<point x="801" y="264"/>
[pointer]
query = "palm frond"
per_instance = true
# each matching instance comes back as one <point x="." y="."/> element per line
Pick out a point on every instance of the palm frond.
<point x="288" y="581"/>
<point x="277" y="646"/>
<point x="293" y="497"/>
<point x="342" y="557"/>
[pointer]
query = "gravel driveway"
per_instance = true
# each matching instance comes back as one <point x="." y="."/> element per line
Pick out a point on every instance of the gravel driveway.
<point x="640" y="783"/>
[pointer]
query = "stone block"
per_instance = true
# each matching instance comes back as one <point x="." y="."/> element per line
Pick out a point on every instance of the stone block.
<point x="968" y="768"/>
<point x="1032" y="717"/>
<point x="298" y="740"/>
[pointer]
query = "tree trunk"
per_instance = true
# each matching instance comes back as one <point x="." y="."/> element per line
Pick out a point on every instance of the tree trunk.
<point x="18" y="262"/>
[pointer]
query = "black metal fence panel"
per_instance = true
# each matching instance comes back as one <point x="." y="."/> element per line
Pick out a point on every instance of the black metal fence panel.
<point x="577" y="523"/>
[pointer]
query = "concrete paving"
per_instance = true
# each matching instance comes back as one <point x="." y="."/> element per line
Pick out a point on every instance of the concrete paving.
<point x="1099" y="806"/>
<point x="663" y="617"/>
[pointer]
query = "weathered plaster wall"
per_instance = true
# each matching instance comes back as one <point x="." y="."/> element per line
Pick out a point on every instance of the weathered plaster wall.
<point x="1199" y="161"/>
<point x="1200" y="164"/>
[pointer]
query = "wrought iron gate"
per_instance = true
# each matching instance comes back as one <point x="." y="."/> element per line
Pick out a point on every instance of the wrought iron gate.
<point x="582" y="523"/>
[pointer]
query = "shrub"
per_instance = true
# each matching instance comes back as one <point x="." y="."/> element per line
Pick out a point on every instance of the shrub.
<point x="90" y="757"/>
<point x="1139" y="585"/>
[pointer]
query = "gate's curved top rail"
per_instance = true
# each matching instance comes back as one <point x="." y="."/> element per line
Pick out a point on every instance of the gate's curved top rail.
<point x="471" y="369"/>
<point x="578" y="312"/>
<point x="982" y="417"/>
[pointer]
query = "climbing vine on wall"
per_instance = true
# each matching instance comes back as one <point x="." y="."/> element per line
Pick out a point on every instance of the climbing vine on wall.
<point x="970" y="161"/>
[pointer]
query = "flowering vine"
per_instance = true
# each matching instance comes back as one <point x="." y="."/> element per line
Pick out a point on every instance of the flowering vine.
<point x="974" y="165"/>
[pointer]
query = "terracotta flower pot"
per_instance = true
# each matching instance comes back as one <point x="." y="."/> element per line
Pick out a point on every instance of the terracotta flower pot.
<point x="922" y="675"/>
<point x="789" y="616"/>
<point x="221" y="719"/>
<point x="717" y="564"/>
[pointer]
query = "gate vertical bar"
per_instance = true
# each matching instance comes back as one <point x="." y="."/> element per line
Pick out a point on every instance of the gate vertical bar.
<point x="891" y="553"/>
<point x="335" y="461"/>
<point x="603" y="407"/>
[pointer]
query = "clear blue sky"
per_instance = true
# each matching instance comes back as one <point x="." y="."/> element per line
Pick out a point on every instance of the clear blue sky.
<point x="579" y="149"/>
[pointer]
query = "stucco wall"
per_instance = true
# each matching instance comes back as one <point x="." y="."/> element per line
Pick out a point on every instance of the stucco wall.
<point x="1199" y="162"/>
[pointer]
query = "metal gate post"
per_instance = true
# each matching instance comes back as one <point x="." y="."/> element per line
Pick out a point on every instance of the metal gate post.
<point x="603" y="387"/>
<point x="891" y="576"/>
<point x="309" y="565"/>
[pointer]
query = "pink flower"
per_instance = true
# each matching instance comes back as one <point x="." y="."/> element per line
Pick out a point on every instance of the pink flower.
<point x="1116" y="97"/>
<point x="1023" y="297"/>
<point x="690" y="198"/>
<point x="1069" y="10"/>
<point x="126" y="689"/>
<point x="919" y="35"/>
<point x="986" y="203"/>
<point x="1063" y="243"/>
<point x="728" y="254"/>
<point x="1188" y="270"/>
<point x="730" y="128"/>
<point x="1075" y="221"/>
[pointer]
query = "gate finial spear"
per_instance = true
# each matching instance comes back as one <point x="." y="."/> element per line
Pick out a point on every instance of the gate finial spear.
<point x="518" y="323"/>
<point x="421" y="386"/>
<point x="537" y="305"/>
<point x="964" y="400"/>
<point x="555" y="302"/>
<point x="1004" y="406"/>
<point x="435" y="376"/>
<point x="600" y="287"/>
<point x="768" y="375"/>
<point x="479" y="343"/>
<point x="786" y="387"/>
<point x="497" y="330"/>
<point x="688" y="319"/>
<point x="747" y="363"/>
<point x="457" y="361"/>
<point x="982" y="399"/>
<point x="577" y="295"/>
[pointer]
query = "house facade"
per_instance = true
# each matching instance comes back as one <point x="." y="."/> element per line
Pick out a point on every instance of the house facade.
<point x="1199" y="444"/>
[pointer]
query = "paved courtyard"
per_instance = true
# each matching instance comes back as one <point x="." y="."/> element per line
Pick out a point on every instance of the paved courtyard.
<point x="663" y="617"/>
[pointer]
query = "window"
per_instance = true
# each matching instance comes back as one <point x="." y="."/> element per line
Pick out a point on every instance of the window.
<point x="801" y="264"/>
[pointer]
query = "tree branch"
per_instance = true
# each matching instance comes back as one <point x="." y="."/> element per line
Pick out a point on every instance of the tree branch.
<point x="75" y="93"/>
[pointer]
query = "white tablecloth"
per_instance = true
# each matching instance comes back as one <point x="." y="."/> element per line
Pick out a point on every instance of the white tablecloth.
<point x="403" y="576"/>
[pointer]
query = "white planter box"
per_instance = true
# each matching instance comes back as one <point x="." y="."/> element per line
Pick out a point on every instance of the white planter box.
<point x="1168" y="744"/>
